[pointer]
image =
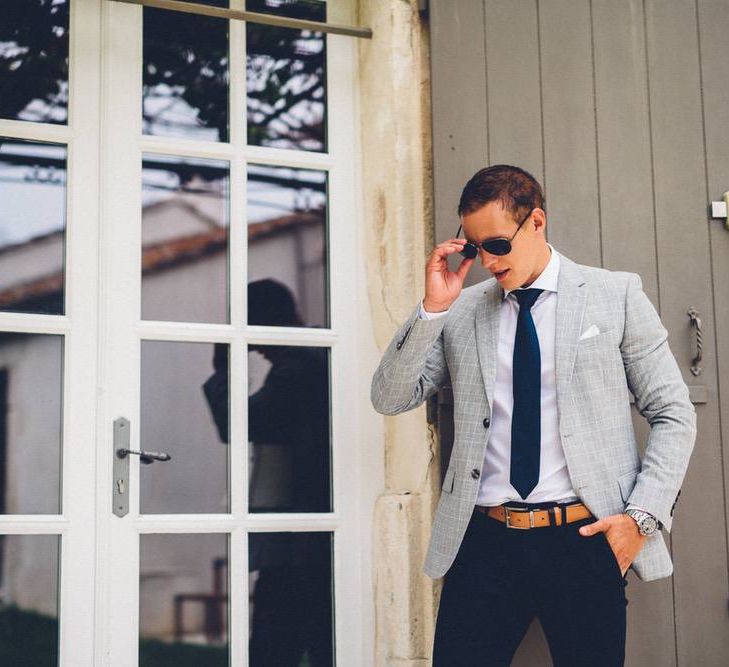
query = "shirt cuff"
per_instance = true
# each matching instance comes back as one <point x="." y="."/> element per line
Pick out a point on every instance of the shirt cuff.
<point x="425" y="315"/>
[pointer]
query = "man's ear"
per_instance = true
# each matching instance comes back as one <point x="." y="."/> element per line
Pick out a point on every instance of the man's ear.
<point x="539" y="217"/>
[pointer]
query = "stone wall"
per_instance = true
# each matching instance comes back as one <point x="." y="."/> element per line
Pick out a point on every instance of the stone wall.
<point x="394" y="92"/>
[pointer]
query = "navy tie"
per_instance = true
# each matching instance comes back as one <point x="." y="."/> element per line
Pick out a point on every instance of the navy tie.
<point x="526" y="416"/>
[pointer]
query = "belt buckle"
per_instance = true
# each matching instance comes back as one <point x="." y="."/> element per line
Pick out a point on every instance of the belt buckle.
<point x="507" y="510"/>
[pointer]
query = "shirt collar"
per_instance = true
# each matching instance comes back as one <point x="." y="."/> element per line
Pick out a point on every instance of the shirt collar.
<point x="547" y="279"/>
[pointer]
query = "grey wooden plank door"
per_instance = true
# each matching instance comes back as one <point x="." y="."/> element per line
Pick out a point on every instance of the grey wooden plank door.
<point x="621" y="109"/>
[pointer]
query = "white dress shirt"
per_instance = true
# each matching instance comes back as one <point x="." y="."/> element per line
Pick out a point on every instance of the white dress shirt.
<point x="554" y="481"/>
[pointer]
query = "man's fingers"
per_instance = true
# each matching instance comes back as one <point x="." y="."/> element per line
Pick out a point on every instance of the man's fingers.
<point x="444" y="249"/>
<point x="595" y="527"/>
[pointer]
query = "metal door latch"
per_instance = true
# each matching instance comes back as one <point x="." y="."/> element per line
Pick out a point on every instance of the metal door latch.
<point x="720" y="209"/>
<point x="120" y="485"/>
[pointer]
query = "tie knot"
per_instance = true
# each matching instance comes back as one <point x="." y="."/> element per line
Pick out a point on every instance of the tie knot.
<point x="526" y="297"/>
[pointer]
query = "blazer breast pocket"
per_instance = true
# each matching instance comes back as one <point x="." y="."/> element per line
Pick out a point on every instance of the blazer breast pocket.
<point x="605" y="339"/>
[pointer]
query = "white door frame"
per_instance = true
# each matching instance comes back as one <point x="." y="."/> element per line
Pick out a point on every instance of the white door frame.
<point x="78" y="326"/>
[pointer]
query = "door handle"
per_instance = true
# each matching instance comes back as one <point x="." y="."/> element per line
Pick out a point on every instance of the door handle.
<point x="120" y="474"/>
<point x="696" y="322"/>
<point x="144" y="457"/>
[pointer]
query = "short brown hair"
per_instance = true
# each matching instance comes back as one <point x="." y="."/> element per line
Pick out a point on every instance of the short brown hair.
<point x="516" y="189"/>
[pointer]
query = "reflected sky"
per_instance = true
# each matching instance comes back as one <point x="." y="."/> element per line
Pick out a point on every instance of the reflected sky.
<point x="32" y="189"/>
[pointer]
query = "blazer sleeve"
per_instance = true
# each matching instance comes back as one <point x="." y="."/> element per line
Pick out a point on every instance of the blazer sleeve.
<point x="413" y="367"/>
<point x="662" y="397"/>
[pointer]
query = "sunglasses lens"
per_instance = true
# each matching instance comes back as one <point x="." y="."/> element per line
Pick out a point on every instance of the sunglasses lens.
<point x="469" y="251"/>
<point x="497" y="246"/>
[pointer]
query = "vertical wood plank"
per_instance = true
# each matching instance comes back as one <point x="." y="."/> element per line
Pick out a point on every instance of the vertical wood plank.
<point x="460" y="124"/>
<point x="628" y="237"/>
<point x="713" y="28"/>
<point x="684" y="280"/>
<point x="570" y="169"/>
<point x="515" y="107"/>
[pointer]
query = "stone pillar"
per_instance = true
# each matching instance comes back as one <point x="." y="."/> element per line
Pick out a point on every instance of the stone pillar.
<point x="394" y="92"/>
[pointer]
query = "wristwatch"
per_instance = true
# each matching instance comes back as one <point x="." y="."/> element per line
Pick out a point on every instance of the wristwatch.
<point x="647" y="523"/>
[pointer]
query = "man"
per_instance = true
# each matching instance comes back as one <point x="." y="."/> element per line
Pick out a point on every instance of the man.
<point x="545" y="502"/>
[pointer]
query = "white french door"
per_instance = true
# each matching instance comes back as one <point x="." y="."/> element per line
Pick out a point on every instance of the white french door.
<point x="223" y="338"/>
<point x="206" y="488"/>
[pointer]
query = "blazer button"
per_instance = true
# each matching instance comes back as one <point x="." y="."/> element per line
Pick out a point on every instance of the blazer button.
<point x="475" y="473"/>
<point x="486" y="422"/>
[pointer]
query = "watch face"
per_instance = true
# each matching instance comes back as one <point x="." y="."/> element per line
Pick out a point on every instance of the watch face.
<point x="648" y="525"/>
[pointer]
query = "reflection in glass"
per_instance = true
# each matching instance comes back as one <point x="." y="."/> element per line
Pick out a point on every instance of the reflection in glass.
<point x="183" y="600"/>
<point x="288" y="429"/>
<point x="29" y="567"/>
<point x="185" y="74"/>
<point x="31" y="385"/>
<point x="32" y="226"/>
<point x="34" y="60"/>
<point x="286" y="78"/>
<point x="292" y="599"/>
<point x="176" y="395"/>
<point x="184" y="239"/>
<point x="287" y="241"/>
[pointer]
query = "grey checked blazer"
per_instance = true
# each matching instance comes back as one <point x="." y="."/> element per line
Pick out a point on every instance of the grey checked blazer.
<point x="594" y="377"/>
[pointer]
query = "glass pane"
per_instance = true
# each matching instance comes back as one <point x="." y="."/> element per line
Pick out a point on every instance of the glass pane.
<point x="288" y="429"/>
<point x="181" y="382"/>
<point x="185" y="74"/>
<point x="34" y="61"/>
<point x="183" y="600"/>
<point x="286" y="78"/>
<point x="287" y="247"/>
<point x="184" y="239"/>
<point x="291" y="604"/>
<point x="29" y="566"/>
<point x="32" y="226"/>
<point x="31" y="385"/>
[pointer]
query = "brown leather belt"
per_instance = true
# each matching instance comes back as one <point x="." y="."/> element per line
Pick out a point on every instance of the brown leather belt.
<point x="523" y="518"/>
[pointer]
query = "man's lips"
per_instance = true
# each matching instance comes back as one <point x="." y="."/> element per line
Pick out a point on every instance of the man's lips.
<point x="500" y="274"/>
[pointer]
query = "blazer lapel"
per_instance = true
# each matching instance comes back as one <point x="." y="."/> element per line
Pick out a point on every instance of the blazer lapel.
<point x="571" y="299"/>
<point x="487" y="333"/>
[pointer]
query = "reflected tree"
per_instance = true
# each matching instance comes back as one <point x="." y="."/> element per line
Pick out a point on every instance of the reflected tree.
<point x="34" y="60"/>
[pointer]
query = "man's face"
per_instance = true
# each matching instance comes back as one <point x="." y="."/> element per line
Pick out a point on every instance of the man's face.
<point x="527" y="257"/>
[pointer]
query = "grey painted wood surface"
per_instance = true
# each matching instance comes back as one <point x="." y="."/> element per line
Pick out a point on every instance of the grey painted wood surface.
<point x="621" y="109"/>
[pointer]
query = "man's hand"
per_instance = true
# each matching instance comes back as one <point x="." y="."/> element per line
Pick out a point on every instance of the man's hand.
<point x="622" y="534"/>
<point x="442" y="286"/>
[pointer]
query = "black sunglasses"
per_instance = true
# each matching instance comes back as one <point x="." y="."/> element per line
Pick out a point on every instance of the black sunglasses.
<point x="498" y="246"/>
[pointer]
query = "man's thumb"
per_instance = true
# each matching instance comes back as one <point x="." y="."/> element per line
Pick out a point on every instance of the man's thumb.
<point x="592" y="528"/>
<point x="463" y="268"/>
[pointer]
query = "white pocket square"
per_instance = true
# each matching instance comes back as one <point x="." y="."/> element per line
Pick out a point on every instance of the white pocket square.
<point x="591" y="331"/>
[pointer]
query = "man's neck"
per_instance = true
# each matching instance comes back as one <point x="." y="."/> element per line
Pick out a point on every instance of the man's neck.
<point x="544" y="263"/>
